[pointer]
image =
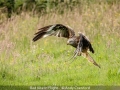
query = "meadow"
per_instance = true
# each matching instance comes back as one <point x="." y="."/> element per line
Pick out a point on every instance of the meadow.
<point x="46" y="62"/>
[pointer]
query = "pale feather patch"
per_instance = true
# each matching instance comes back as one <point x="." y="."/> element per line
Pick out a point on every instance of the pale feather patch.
<point x="45" y="35"/>
<point x="58" y="33"/>
<point x="49" y="32"/>
<point x="51" y="28"/>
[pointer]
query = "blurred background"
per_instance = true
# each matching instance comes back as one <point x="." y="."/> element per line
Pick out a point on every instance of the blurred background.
<point x="23" y="62"/>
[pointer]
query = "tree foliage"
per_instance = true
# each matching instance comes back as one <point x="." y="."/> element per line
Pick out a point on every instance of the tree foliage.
<point x="43" y="6"/>
<point x="37" y="6"/>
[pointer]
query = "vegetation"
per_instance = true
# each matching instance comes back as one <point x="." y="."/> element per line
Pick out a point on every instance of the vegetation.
<point x="35" y="6"/>
<point x="46" y="62"/>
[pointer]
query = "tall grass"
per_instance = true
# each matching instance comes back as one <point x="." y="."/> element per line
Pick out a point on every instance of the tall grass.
<point x="23" y="62"/>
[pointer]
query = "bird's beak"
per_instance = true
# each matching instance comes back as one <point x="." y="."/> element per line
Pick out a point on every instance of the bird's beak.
<point x="68" y="43"/>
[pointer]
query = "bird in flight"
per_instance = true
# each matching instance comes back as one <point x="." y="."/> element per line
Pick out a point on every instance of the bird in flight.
<point x="80" y="42"/>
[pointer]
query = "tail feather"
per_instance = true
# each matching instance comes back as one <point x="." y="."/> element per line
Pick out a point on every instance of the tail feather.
<point x="91" y="60"/>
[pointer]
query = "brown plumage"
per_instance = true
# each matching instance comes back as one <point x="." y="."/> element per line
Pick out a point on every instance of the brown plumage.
<point x="81" y="43"/>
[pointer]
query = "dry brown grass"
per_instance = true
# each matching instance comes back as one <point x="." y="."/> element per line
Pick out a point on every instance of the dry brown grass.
<point x="42" y="60"/>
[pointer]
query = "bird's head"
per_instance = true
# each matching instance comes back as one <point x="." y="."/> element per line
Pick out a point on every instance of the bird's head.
<point x="71" y="41"/>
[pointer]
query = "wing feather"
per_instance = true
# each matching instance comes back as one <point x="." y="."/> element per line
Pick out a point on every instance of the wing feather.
<point x="58" y="30"/>
<point x="86" y="42"/>
<point x="43" y="29"/>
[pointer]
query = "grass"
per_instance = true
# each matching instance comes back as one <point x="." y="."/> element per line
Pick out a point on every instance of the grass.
<point x="23" y="62"/>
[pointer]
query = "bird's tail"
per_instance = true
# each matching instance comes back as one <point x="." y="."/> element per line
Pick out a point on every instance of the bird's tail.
<point x="90" y="59"/>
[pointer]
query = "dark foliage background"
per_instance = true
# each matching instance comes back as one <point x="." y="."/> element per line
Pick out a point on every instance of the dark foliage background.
<point x="43" y="6"/>
<point x="36" y="6"/>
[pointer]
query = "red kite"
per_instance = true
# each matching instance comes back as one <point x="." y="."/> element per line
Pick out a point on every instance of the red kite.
<point x="81" y="43"/>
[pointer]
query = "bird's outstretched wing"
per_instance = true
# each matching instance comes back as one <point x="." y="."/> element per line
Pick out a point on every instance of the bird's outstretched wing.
<point x="58" y="30"/>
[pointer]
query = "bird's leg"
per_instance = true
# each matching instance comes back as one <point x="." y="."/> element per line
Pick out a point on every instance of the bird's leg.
<point x="78" y="50"/>
<point x="80" y="45"/>
<point x="75" y="54"/>
<point x="91" y="59"/>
